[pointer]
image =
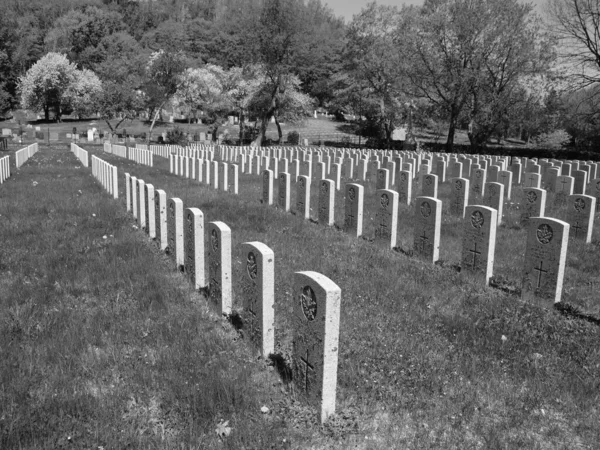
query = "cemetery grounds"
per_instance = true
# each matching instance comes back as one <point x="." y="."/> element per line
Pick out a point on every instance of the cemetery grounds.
<point x="103" y="344"/>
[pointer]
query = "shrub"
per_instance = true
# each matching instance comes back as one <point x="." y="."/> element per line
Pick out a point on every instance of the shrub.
<point x="293" y="138"/>
<point x="176" y="136"/>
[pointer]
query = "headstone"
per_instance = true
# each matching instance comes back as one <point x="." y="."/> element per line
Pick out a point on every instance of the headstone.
<point x="478" y="180"/>
<point x="150" y="211"/>
<point x="383" y="179"/>
<point x="533" y="204"/>
<point x="516" y="169"/>
<point x="258" y="295"/>
<point x="326" y="202"/>
<point x="316" y="324"/>
<point x="545" y="257"/>
<point x="551" y="175"/>
<point x="175" y="231"/>
<point x="284" y="191"/>
<point x="430" y="186"/>
<point x="386" y="217"/>
<point x="128" y="191"/>
<point x="428" y="219"/>
<point x="580" y="216"/>
<point x="580" y="181"/>
<point x="563" y="188"/>
<point x="303" y="197"/>
<point x="494" y="198"/>
<point x="479" y="242"/>
<point x="594" y="191"/>
<point x="267" y="192"/>
<point x="142" y="204"/>
<point x="194" y="247"/>
<point x="459" y="196"/>
<point x="134" y="196"/>
<point x="404" y="187"/>
<point x="160" y="215"/>
<point x="353" y="219"/>
<point x="219" y="266"/>
<point x="492" y="173"/>
<point x="533" y="180"/>
<point x="505" y="177"/>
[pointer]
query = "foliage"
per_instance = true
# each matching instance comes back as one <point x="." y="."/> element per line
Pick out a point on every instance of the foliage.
<point x="176" y="136"/>
<point x="293" y="138"/>
<point x="50" y="83"/>
<point x="554" y="140"/>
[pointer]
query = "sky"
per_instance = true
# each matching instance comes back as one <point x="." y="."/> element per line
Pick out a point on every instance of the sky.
<point x="347" y="8"/>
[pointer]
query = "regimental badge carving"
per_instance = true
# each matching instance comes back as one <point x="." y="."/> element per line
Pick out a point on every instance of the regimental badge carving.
<point x="478" y="174"/>
<point x="598" y="186"/>
<point x="352" y="193"/>
<point x="385" y="201"/>
<point x="544" y="233"/>
<point x="428" y="180"/>
<point x="579" y="205"/>
<point x="425" y="209"/>
<point x="266" y="177"/>
<point x="381" y="174"/>
<point x="477" y="219"/>
<point x="493" y="190"/>
<point x="172" y="210"/>
<point x="190" y="224"/>
<point x="251" y="266"/>
<point x="324" y="187"/>
<point x="531" y="197"/>
<point x="458" y="185"/>
<point x="302" y="182"/>
<point x="214" y="240"/>
<point x="282" y="178"/>
<point x="308" y="301"/>
<point x="403" y="176"/>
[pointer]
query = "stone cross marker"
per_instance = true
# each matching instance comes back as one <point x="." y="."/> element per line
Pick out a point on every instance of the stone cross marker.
<point x="479" y="242"/>
<point x="284" y="191"/>
<point x="194" y="247"/>
<point x="258" y="295"/>
<point x="175" y="231"/>
<point x="533" y="204"/>
<point x="316" y="324"/>
<point x="580" y="216"/>
<point x="150" y="211"/>
<point x="303" y="197"/>
<point x="160" y="216"/>
<point x="428" y="220"/>
<point x="386" y="219"/>
<point x="353" y="218"/>
<point x="430" y="186"/>
<point x="219" y="266"/>
<point x="267" y="191"/>
<point x="545" y="256"/>
<point x="459" y="196"/>
<point x="404" y="187"/>
<point x="326" y="202"/>
<point x="494" y="198"/>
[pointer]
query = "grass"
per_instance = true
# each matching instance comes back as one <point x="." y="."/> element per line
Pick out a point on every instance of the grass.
<point x="103" y="341"/>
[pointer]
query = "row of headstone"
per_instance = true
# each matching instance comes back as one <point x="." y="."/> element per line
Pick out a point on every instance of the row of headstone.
<point x="106" y="174"/>
<point x="21" y="156"/>
<point x="317" y="299"/>
<point x="219" y="175"/>
<point x="81" y="154"/>
<point x="4" y="168"/>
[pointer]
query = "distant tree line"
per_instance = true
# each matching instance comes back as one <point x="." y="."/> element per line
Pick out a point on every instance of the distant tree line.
<point x="490" y="67"/>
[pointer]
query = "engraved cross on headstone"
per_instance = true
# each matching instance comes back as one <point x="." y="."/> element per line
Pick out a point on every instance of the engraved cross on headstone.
<point x="475" y="253"/>
<point x="577" y="227"/>
<point x="540" y="270"/>
<point x="563" y="182"/>
<point x="531" y="178"/>
<point x="424" y="240"/>
<point x="307" y="366"/>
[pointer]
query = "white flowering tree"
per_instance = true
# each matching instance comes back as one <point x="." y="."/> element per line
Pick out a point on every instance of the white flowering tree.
<point x="83" y="94"/>
<point x="47" y="84"/>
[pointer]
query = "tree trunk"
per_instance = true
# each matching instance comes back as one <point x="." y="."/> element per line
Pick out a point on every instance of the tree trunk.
<point x="46" y="113"/>
<point x="451" y="129"/>
<point x="278" y="129"/>
<point x="266" y="117"/>
<point x="242" y="124"/>
<point x="154" y="121"/>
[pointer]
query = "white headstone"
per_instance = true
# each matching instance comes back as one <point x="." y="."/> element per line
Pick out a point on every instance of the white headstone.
<point x="175" y="231"/>
<point x="219" y="266"/>
<point x="428" y="220"/>
<point x="194" y="247"/>
<point x="326" y="202"/>
<point x="303" y="197"/>
<point x="160" y="215"/>
<point x="580" y="216"/>
<point x="353" y="218"/>
<point x="386" y="218"/>
<point x="479" y="242"/>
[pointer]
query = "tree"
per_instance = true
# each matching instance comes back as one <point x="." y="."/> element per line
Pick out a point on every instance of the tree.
<point x="577" y="25"/>
<point x="374" y="56"/>
<point x="471" y="54"/>
<point x="82" y="95"/>
<point x="163" y="78"/>
<point x="48" y="85"/>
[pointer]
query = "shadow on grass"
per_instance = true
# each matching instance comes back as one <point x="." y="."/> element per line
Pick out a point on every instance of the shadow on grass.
<point x="573" y="312"/>
<point x="282" y="366"/>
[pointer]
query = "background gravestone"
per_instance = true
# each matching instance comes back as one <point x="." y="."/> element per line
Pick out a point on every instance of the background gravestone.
<point x="428" y="219"/>
<point x="150" y="209"/>
<point x="258" y="295"/>
<point x="175" y="231"/>
<point x="219" y="266"/>
<point x="430" y="186"/>
<point x="267" y="187"/>
<point x="160" y="215"/>
<point x="580" y="216"/>
<point x="284" y="191"/>
<point x="545" y="256"/>
<point x="316" y="323"/>
<point x="386" y="218"/>
<point x="404" y="187"/>
<point x="479" y="242"/>
<point x="353" y="211"/>
<point x="459" y="196"/>
<point x="494" y="198"/>
<point x="194" y="247"/>
<point x="594" y="191"/>
<point x="303" y="197"/>
<point x="477" y="182"/>
<point x="533" y="204"/>
<point x="326" y="202"/>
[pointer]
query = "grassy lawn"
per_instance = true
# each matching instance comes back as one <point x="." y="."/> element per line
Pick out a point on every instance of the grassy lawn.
<point x="104" y="343"/>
